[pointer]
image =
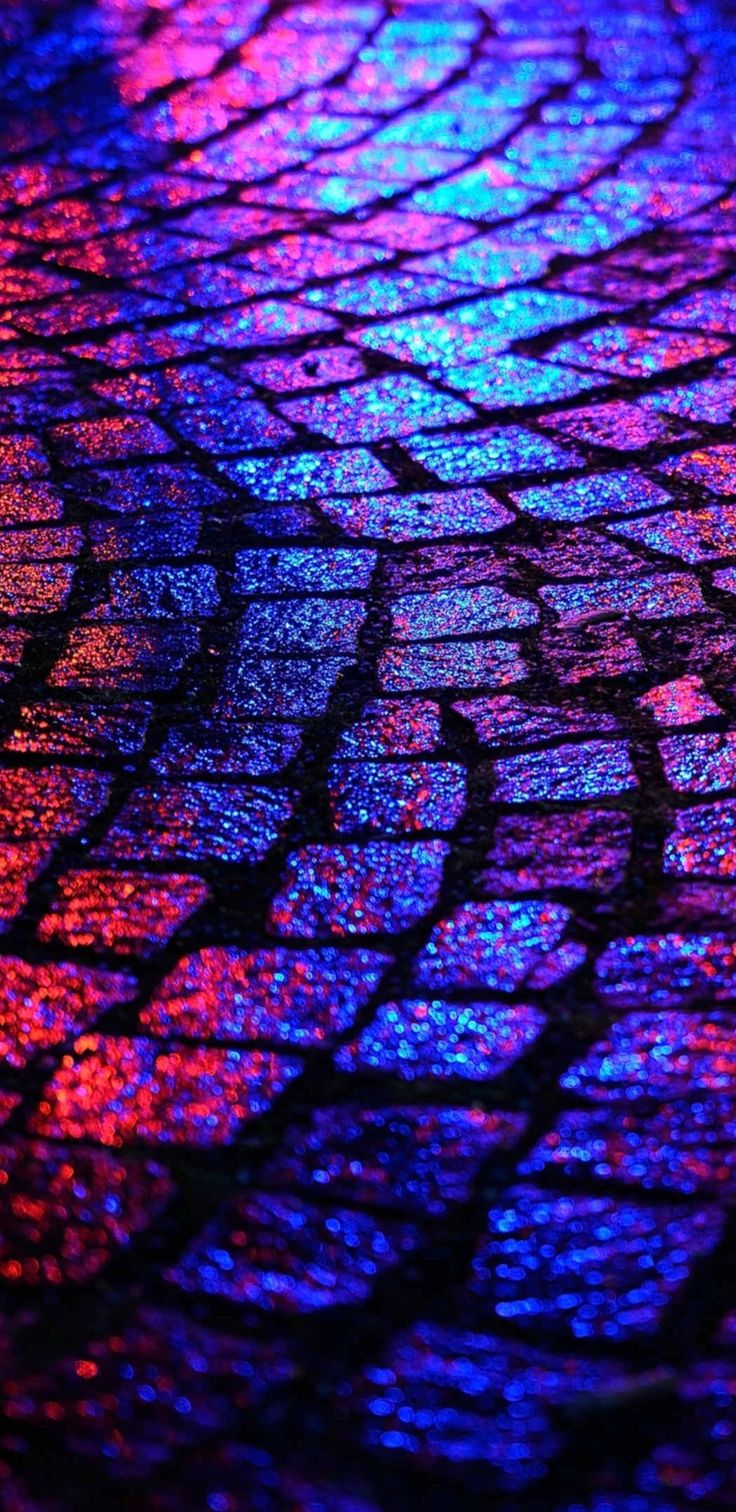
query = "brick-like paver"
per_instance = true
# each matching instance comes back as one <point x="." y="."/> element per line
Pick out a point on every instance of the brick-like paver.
<point x="367" y="756"/>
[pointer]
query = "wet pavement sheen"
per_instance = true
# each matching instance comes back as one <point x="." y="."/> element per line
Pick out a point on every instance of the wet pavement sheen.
<point x="367" y="756"/>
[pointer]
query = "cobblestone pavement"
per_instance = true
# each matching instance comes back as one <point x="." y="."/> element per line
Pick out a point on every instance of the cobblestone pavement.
<point x="368" y="756"/>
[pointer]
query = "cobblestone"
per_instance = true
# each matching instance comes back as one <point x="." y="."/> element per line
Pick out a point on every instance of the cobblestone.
<point x="367" y="755"/>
